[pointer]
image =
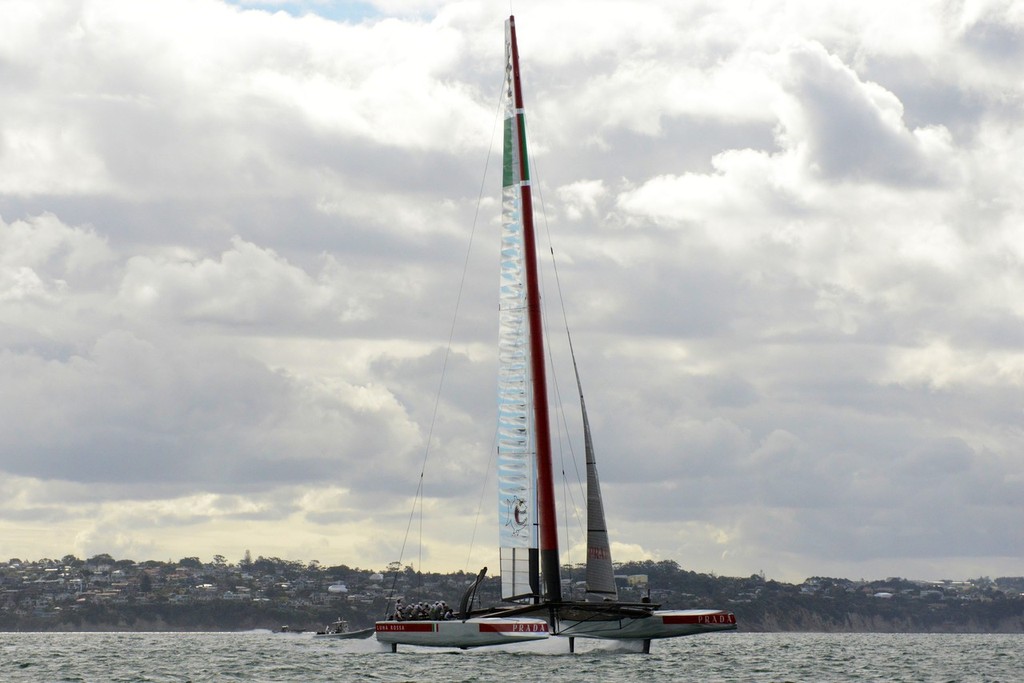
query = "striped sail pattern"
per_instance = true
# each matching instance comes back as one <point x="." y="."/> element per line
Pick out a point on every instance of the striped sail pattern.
<point x="517" y="491"/>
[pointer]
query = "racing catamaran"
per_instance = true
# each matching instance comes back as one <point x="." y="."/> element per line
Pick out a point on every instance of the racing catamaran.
<point x="529" y="553"/>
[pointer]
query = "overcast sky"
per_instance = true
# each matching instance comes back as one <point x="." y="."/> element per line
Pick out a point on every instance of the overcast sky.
<point x="789" y="237"/>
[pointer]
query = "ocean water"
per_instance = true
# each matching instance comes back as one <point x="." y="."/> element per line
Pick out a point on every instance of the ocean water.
<point x="263" y="656"/>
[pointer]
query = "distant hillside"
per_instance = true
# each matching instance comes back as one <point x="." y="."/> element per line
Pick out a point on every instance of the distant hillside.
<point x="104" y="594"/>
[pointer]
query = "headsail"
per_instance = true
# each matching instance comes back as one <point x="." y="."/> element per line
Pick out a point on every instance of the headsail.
<point x="600" y="574"/>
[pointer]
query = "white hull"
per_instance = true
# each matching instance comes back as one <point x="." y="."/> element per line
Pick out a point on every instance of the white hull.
<point x="661" y="624"/>
<point x="475" y="632"/>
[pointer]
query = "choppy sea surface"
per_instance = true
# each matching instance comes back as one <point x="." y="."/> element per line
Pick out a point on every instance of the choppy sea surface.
<point x="265" y="656"/>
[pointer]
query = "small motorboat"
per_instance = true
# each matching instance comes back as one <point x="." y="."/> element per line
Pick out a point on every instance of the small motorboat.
<point x="339" y="629"/>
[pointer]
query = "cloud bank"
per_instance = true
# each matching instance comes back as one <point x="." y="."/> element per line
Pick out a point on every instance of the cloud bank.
<point x="232" y="237"/>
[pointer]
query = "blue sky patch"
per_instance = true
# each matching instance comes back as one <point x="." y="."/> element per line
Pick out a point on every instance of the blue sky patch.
<point x="335" y="10"/>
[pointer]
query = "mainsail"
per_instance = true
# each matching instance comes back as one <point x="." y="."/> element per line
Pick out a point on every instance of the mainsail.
<point x="528" y="535"/>
<point x="517" y="493"/>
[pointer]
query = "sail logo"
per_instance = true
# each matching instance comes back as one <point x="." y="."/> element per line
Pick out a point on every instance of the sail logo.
<point x="516" y="516"/>
<point x="727" y="618"/>
<point x="405" y="627"/>
<point x="530" y="628"/>
<point x="716" y="619"/>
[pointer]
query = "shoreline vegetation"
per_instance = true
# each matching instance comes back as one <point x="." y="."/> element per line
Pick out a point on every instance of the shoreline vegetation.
<point x="106" y="594"/>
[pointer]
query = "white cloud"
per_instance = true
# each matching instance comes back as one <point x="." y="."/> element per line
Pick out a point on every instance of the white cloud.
<point x="788" y="235"/>
<point x="847" y="129"/>
<point x="581" y="198"/>
<point x="45" y="250"/>
<point x="119" y="104"/>
<point x="246" y="286"/>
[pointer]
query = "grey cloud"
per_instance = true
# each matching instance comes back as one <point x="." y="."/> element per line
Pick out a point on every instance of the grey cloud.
<point x="853" y="130"/>
<point x="996" y="38"/>
<point x="131" y="410"/>
<point x="793" y="296"/>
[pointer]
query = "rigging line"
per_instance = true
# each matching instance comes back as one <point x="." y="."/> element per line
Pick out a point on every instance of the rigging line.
<point x="401" y="552"/>
<point x="550" y="361"/>
<point x="480" y="198"/>
<point x="564" y="424"/>
<point x="565" y="321"/>
<point x="566" y="438"/>
<point x="419" y="557"/>
<point x="578" y="512"/>
<point x="448" y="348"/>
<point x="480" y="503"/>
<point x="567" y="495"/>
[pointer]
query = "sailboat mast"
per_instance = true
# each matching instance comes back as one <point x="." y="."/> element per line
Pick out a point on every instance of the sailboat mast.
<point x="549" y="561"/>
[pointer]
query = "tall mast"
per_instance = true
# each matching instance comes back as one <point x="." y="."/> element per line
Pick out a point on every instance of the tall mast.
<point x="549" y="561"/>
